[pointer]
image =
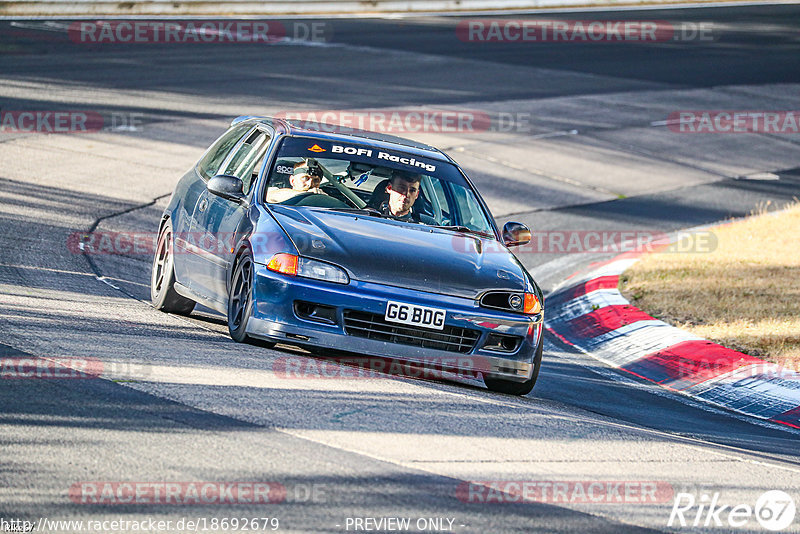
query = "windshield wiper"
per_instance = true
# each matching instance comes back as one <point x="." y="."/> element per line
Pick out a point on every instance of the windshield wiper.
<point x="464" y="229"/>
<point x="366" y="210"/>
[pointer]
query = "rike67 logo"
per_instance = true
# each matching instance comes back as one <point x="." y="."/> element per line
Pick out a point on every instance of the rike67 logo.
<point x="774" y="510"/>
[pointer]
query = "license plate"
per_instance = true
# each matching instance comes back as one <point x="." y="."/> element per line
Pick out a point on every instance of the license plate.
<point x="410" y="314"/>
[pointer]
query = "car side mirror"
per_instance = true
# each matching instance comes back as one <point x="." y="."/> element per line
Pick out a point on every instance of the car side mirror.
<point x="515" y="233"/>
<point x="227" y="187"/>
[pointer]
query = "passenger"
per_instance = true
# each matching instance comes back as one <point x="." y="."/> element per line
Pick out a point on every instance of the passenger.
<point x="403" y="190"/>
<point x="306" y="177"/>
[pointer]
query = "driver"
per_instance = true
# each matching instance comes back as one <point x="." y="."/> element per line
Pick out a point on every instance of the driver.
<point x="403" y="190"/>
<point x="306" y="177"/>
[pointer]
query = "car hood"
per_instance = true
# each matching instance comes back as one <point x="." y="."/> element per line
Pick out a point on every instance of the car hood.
<point x="399" y="254"/>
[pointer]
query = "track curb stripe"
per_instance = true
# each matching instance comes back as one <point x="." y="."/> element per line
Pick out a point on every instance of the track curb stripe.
<point x="593" y="316"/>
<point x="689" y="363"/>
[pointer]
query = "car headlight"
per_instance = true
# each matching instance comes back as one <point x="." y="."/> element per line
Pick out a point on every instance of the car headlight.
<point x="299" y="266"/>
<point x="321" y="271"/>
<point x="513" y="301"/>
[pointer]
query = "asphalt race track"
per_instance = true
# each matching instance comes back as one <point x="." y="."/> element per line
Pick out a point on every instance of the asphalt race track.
<point x="578" y="142"/>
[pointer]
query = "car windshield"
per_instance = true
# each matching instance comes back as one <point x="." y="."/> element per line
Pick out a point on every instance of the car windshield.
<point x="383" y="183"/>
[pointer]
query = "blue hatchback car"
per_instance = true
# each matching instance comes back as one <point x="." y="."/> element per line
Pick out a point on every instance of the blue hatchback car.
<point x="309" y="235"/>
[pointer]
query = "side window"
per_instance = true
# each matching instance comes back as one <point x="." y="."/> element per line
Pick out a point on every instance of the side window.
<point x="244" y="162"/>
<point x="440" y="206"/>
<point x="471" y="214"/>
<point x="219" y="150"/>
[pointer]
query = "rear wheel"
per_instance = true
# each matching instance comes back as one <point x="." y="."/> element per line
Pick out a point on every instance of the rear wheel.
<point x="518" y="388"/>
<point x="162" y="277"/>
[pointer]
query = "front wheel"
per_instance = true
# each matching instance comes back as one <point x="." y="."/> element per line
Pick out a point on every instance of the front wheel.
<point x="240" y="302"/>
<point x="240" y="298"/>
<point x="518" y="388"/>
<point x="162" y="277"/>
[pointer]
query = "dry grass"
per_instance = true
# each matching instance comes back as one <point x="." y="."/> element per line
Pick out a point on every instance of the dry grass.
<point x="744" y="295"/>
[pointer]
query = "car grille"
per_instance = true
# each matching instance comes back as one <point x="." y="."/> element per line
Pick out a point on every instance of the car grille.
<point x="374" y="326"/>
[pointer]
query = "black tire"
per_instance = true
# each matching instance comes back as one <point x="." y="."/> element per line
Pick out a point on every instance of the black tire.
<point x="518" y="388"/>
<point x="162" y="277"/>
<point x="240" y="301"/>
<point x="240" y="297"/>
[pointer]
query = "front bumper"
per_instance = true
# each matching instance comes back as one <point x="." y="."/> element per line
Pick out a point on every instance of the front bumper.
<point x="275" y="319"/>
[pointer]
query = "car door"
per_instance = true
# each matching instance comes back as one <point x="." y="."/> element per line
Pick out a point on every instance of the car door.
<point x="219" y="221"/>
<point x="188" y="263"/>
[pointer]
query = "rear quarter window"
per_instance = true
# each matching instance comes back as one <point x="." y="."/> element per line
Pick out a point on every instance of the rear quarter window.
<point x="210" y="162"/>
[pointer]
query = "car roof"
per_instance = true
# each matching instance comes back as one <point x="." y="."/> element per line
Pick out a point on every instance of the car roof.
<point x="344" y="134"/>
